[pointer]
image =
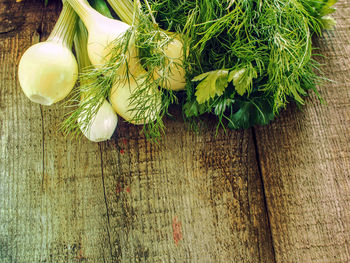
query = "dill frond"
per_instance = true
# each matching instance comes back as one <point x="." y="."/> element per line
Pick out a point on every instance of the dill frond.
<point x="273" y="37"/>
<point x="268" y="42"/>
<point x="149" y="101"/>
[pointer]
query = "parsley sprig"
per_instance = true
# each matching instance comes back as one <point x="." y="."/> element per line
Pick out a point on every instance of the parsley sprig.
<point x="248" y="58"/>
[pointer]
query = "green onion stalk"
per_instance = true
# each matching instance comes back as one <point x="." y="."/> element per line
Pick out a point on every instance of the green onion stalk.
<point x="48" y="70"/>
<point x="94" y="116"/>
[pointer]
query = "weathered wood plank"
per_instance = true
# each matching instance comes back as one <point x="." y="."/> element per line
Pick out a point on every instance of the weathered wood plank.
<point x="51" y="203"/>
<point x="305" y="163"/>
<point x="18" y="141"/>
<point x="192" y="198"/>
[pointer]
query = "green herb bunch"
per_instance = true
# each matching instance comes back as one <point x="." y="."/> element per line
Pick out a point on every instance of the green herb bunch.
<point x="244" y="60"/>
<point x="96" y="83"/>
<point x="248" y="58"/>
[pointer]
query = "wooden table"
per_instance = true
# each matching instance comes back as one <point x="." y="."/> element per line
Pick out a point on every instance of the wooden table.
<point x="279" y="193"/>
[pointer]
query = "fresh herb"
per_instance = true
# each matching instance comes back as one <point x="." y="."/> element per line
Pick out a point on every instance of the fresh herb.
<point x="249" y="58"/>
<point x="241" y="60"/>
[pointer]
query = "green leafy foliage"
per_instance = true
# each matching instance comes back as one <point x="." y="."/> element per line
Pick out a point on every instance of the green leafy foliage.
<point x="212" y="84"/>
<point x="248" y="58"/>
<point x="243" y="79"/>
<point x="258" y="112"/>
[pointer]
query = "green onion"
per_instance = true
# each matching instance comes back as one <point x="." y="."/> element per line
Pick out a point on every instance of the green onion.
<point x="48" y="70"/>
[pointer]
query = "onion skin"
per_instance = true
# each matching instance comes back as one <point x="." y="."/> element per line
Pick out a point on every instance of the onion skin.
<point x="102" y="32"/>
<point x="101" y="35"/>
<point x="103" y="124"/>
<point x="47" y="72"/>
<point x="177" y="75"/>
<point x="120" y="99"/>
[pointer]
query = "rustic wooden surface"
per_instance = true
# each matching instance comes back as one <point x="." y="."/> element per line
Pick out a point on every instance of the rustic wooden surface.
<point x="279" y="193"/>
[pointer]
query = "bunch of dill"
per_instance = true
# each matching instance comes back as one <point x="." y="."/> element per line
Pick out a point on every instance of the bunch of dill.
<point x="245" y="59"/>
<point x="248" y="58"/>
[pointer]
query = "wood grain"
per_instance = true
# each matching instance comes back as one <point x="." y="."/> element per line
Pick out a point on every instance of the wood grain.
<point x="51" y="203"/>
<point x="195" y="197"/>
<point x="305" y="161"/>
<point x="192" y="198"/>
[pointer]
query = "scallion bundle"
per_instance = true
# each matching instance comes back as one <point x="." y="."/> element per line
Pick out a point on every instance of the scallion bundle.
<point x="241" y="60"/>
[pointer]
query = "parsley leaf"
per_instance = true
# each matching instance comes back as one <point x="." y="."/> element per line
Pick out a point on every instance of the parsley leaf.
<point x="212" y="83"/>
<point x="249" y="113"/>
<point x="243" y="79"/>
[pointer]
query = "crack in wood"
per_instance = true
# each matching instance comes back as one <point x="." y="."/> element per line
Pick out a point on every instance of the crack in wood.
<point x="43" y="147"/>
<point x="106" y="203"/>
<point x="7" y="30"/>
<point x="36" y="39"/>
<point x="257" y="157"/>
